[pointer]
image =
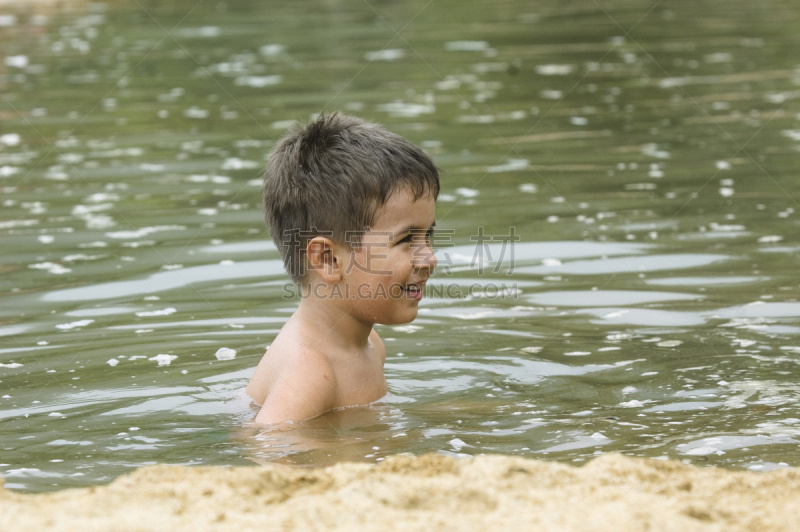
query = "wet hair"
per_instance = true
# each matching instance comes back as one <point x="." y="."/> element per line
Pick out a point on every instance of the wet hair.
<point x="331" y="176"/>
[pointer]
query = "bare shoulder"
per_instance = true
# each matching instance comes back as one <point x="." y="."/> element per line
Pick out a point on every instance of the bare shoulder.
<point x="269" y="367"/>
<point x="375" y="338"/>
<point x="284" y="353"/>
<point x="303" y="385"/>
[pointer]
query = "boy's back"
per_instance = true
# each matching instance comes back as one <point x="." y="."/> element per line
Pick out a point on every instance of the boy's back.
<point x="351" y="207"/>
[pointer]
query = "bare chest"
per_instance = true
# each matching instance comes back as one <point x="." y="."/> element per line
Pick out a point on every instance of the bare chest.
<point x="359" y="382"/>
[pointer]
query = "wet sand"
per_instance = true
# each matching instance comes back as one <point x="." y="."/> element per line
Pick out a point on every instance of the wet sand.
<point x="432" y="492"/>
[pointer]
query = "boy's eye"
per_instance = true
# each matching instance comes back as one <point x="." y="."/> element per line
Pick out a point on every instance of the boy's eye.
<point x="417" y="236"/>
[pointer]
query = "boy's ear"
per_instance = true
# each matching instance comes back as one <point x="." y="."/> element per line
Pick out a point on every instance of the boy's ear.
<point x="322" y="258"/>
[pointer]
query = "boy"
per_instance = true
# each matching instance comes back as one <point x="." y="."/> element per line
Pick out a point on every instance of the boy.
<point x="351" y="208"/>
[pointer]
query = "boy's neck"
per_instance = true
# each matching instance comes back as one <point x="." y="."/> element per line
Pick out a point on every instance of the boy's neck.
<point x="335" y="323"/>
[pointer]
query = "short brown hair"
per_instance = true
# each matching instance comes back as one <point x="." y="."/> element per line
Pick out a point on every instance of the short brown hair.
<point x="329" y="177"/>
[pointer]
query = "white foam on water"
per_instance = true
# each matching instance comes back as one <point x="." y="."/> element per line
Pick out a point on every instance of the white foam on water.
<point x="407" y="110"/>
<point x="283" y="124"/>
<point x="407" y="328"/>
<point x="17" y="61"/>
<point x="195" y="112"/>
<point x="74" y="324"/>
<point x="476" y="119"/>
<point x="234" y="163"/>
<point x="8" y="171"/>
<point x="101" y="197"/>
<point x="70" y="158"/>
<point x="793" y="134"/>
<point x="511" y="166"/>
<point x="669" y="343"/>
<point x="634" y="403"/>
<point x="29" y="472"/>
<point x="486" y="68"/>
<point x="163" y="360"/>
<point x="82" y="257"/>
<point x="466" y="46"/>
<point x="640" y="186"/>
<point x="272" y="50"/>
<point x="204" y="32"/>
<point x="10" y="139"/>
<point x="655" y="171"/>
<point x="458" y="444"/>
<point x="448" y="84"/>
<point x="139" y="233"/>
<point x="385" y="55"/>
<point x="719" y="57"/>
<point x="225" y="353"/>
<point x="112" y="362"/>
<point x="551" y="94"/>
<point x="258" y="82"/>
<point x="703" y="451"/>
<point x="651" y="150"/>
<point x="431" y="144"/>
<point x="467" y="192"/>
<point x="554" y="70"/>
<point x="12" y="365"/>
<point x="162" y="312"/>
<point x="743" y="343"/>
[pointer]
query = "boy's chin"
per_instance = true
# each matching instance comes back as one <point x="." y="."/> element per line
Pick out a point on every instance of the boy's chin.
<point x="399" y="320"/>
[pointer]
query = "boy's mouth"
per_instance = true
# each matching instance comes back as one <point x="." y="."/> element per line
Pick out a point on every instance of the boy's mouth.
<point x="413" y="290"/>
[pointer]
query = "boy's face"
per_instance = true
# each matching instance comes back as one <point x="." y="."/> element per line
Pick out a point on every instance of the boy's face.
<point x="385" y="279"/>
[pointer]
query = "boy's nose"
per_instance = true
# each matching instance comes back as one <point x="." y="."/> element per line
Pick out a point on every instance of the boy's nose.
<point x="426" y="258"/>
<point x="433" y="261"/>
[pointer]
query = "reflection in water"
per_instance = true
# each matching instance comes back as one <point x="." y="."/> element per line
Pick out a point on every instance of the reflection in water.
<point x="353" y="434"/>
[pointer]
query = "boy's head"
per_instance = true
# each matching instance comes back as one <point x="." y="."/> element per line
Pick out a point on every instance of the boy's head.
<point x="331" y="176"/>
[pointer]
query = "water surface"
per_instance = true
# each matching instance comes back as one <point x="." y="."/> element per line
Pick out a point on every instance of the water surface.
<point x="646" y="156"/>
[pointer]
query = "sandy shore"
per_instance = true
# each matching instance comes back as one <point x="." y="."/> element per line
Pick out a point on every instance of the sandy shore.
<point x="436" y="493"/>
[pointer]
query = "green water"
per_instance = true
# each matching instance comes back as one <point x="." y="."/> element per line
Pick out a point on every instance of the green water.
<point x="646" y="153"/>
